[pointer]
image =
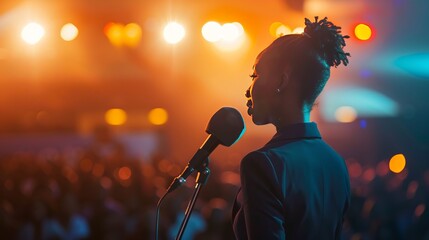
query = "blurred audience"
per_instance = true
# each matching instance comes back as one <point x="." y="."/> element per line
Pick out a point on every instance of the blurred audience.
<point x="105" y="194"/>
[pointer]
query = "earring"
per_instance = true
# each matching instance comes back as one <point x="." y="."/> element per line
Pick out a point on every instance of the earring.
<point x="278" y="90"/>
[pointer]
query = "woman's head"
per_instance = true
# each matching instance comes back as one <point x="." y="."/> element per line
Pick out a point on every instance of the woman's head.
<point x="291" y="72"/>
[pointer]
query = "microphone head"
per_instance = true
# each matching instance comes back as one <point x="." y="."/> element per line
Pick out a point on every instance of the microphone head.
<point x="227" y="125"/>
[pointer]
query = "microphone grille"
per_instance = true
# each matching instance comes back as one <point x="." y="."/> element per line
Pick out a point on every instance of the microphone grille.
<point x="227" y="125"/>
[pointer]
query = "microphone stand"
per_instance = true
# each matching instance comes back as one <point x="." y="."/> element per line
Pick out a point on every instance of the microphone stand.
<point x="201" y="180"/>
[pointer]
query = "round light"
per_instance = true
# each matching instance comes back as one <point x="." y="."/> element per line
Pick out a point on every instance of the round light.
<point x="174" y="33"/>
<point x="273" y="28"/>
<point x="363" y="32"/>
<point x="212" y="31"/>
<point x="32" y="33"/>
<point x="158" y="116"/>
<point x="133" y="34"/>
<point x="345" y="114"/>
<point x="298" y="30"/>
<point x="69" y="32"/>
<point x="115" y="116"/>
<point x="397" y="163"/>
<point x="282" y="30"/>
<point x="124" y="173"/>
<point x="114" y="33"/>
<point x="239" y="27"/>
<point x="229" y="32"/>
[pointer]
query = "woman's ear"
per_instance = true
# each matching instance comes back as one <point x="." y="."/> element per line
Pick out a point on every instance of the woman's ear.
<point x="284" y="81"/>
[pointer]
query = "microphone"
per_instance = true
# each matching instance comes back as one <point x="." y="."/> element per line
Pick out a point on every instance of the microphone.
<point x="225" y="127"/>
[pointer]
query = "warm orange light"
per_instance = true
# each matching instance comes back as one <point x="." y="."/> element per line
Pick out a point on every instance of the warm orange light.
<point x="174" y="33"/>
<point x="345" y="114"/>
<point x="158" y="116"/>
<point x="230" y="32"/>
<point x="298" y="30"/>
<point x="124" y="173"/>
<point x="273" y="28"/>
<point x="114" y="33"/>
<point x="32" y="33"/>
<point x="69" y="32"/>
<point x="283" y="30"/>
<point x="363" y="32"/>
<point x="115" y="116"/>
<point x="397" y="163"/>
<point x="212" y="31"/>
<point x="133" y="34"/>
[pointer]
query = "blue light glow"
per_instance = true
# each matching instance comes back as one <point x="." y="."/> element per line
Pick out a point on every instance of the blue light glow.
<point x="415" y="64"/>
<point x="366" y="102"/>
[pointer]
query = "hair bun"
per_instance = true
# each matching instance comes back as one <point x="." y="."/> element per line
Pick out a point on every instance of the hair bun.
<point x="327" y="40"/>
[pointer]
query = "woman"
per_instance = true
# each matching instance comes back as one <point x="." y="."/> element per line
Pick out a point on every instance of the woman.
<point x="296" y="186"/>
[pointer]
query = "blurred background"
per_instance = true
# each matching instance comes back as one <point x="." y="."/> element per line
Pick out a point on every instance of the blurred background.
<point x="103" y="102"/>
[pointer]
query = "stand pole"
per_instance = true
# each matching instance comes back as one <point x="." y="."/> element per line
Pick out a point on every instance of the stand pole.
<point x="201" y="180"/>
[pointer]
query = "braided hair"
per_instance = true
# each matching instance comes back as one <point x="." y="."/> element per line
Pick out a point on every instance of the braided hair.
<point x="327" y="40"/>
<point x="310" y="56"/>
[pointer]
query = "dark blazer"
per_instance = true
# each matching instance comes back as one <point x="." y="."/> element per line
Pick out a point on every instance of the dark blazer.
<point x="295" y="187"/>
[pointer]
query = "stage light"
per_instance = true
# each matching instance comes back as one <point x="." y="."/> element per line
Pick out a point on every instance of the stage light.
<point x="298" y="30"/>
<point x="115" y="116"/>
<point x="273" y="28"/>
<point x="363" y="32"/>
<point x="158" y="116"/>
<point x="230" y="32"/>
<point x="366" y="102"/>
<point x="397" y="163"/>
<point x="114" y="33"/>
<point x="32" y="33"/>
<point x="133" y="34"/>
<point x="415" y="64"/>
<point x="212" y="31"/>
<point x="282" y="30"/>
<point x="345" y="114"/>
<point x="69" y="32"/>
<point x="174" y="32"/>
<point x="124" y="173"/>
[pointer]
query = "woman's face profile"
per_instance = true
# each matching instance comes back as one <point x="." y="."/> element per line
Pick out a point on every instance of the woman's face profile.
<point x="262" y="91"/>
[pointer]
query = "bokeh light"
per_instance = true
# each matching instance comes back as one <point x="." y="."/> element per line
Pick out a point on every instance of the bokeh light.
<point x="212" y="31"/>
<point x="397" y="163"/>
<point x="69" y="32"/>
<point x="366" y="102"/>
<point x="273" y="28"/>
<point x="298" y="30"/>
<point x="124" y="173"/>
<point x="174" y="33"/>
<point x="283" y="30"/>
<point x="230" y="32"/>
<point x="363" y="32"/>
<point x="32" y="33"/>
<point x="132" y="34"/>
<point x="345" y="114"/>
<point x="226" y="37"/>
<point x="158" y="116"/>
<point x="278" y="29"/>
<point x="114" y="33"/>
<point x="116" y="116"/>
